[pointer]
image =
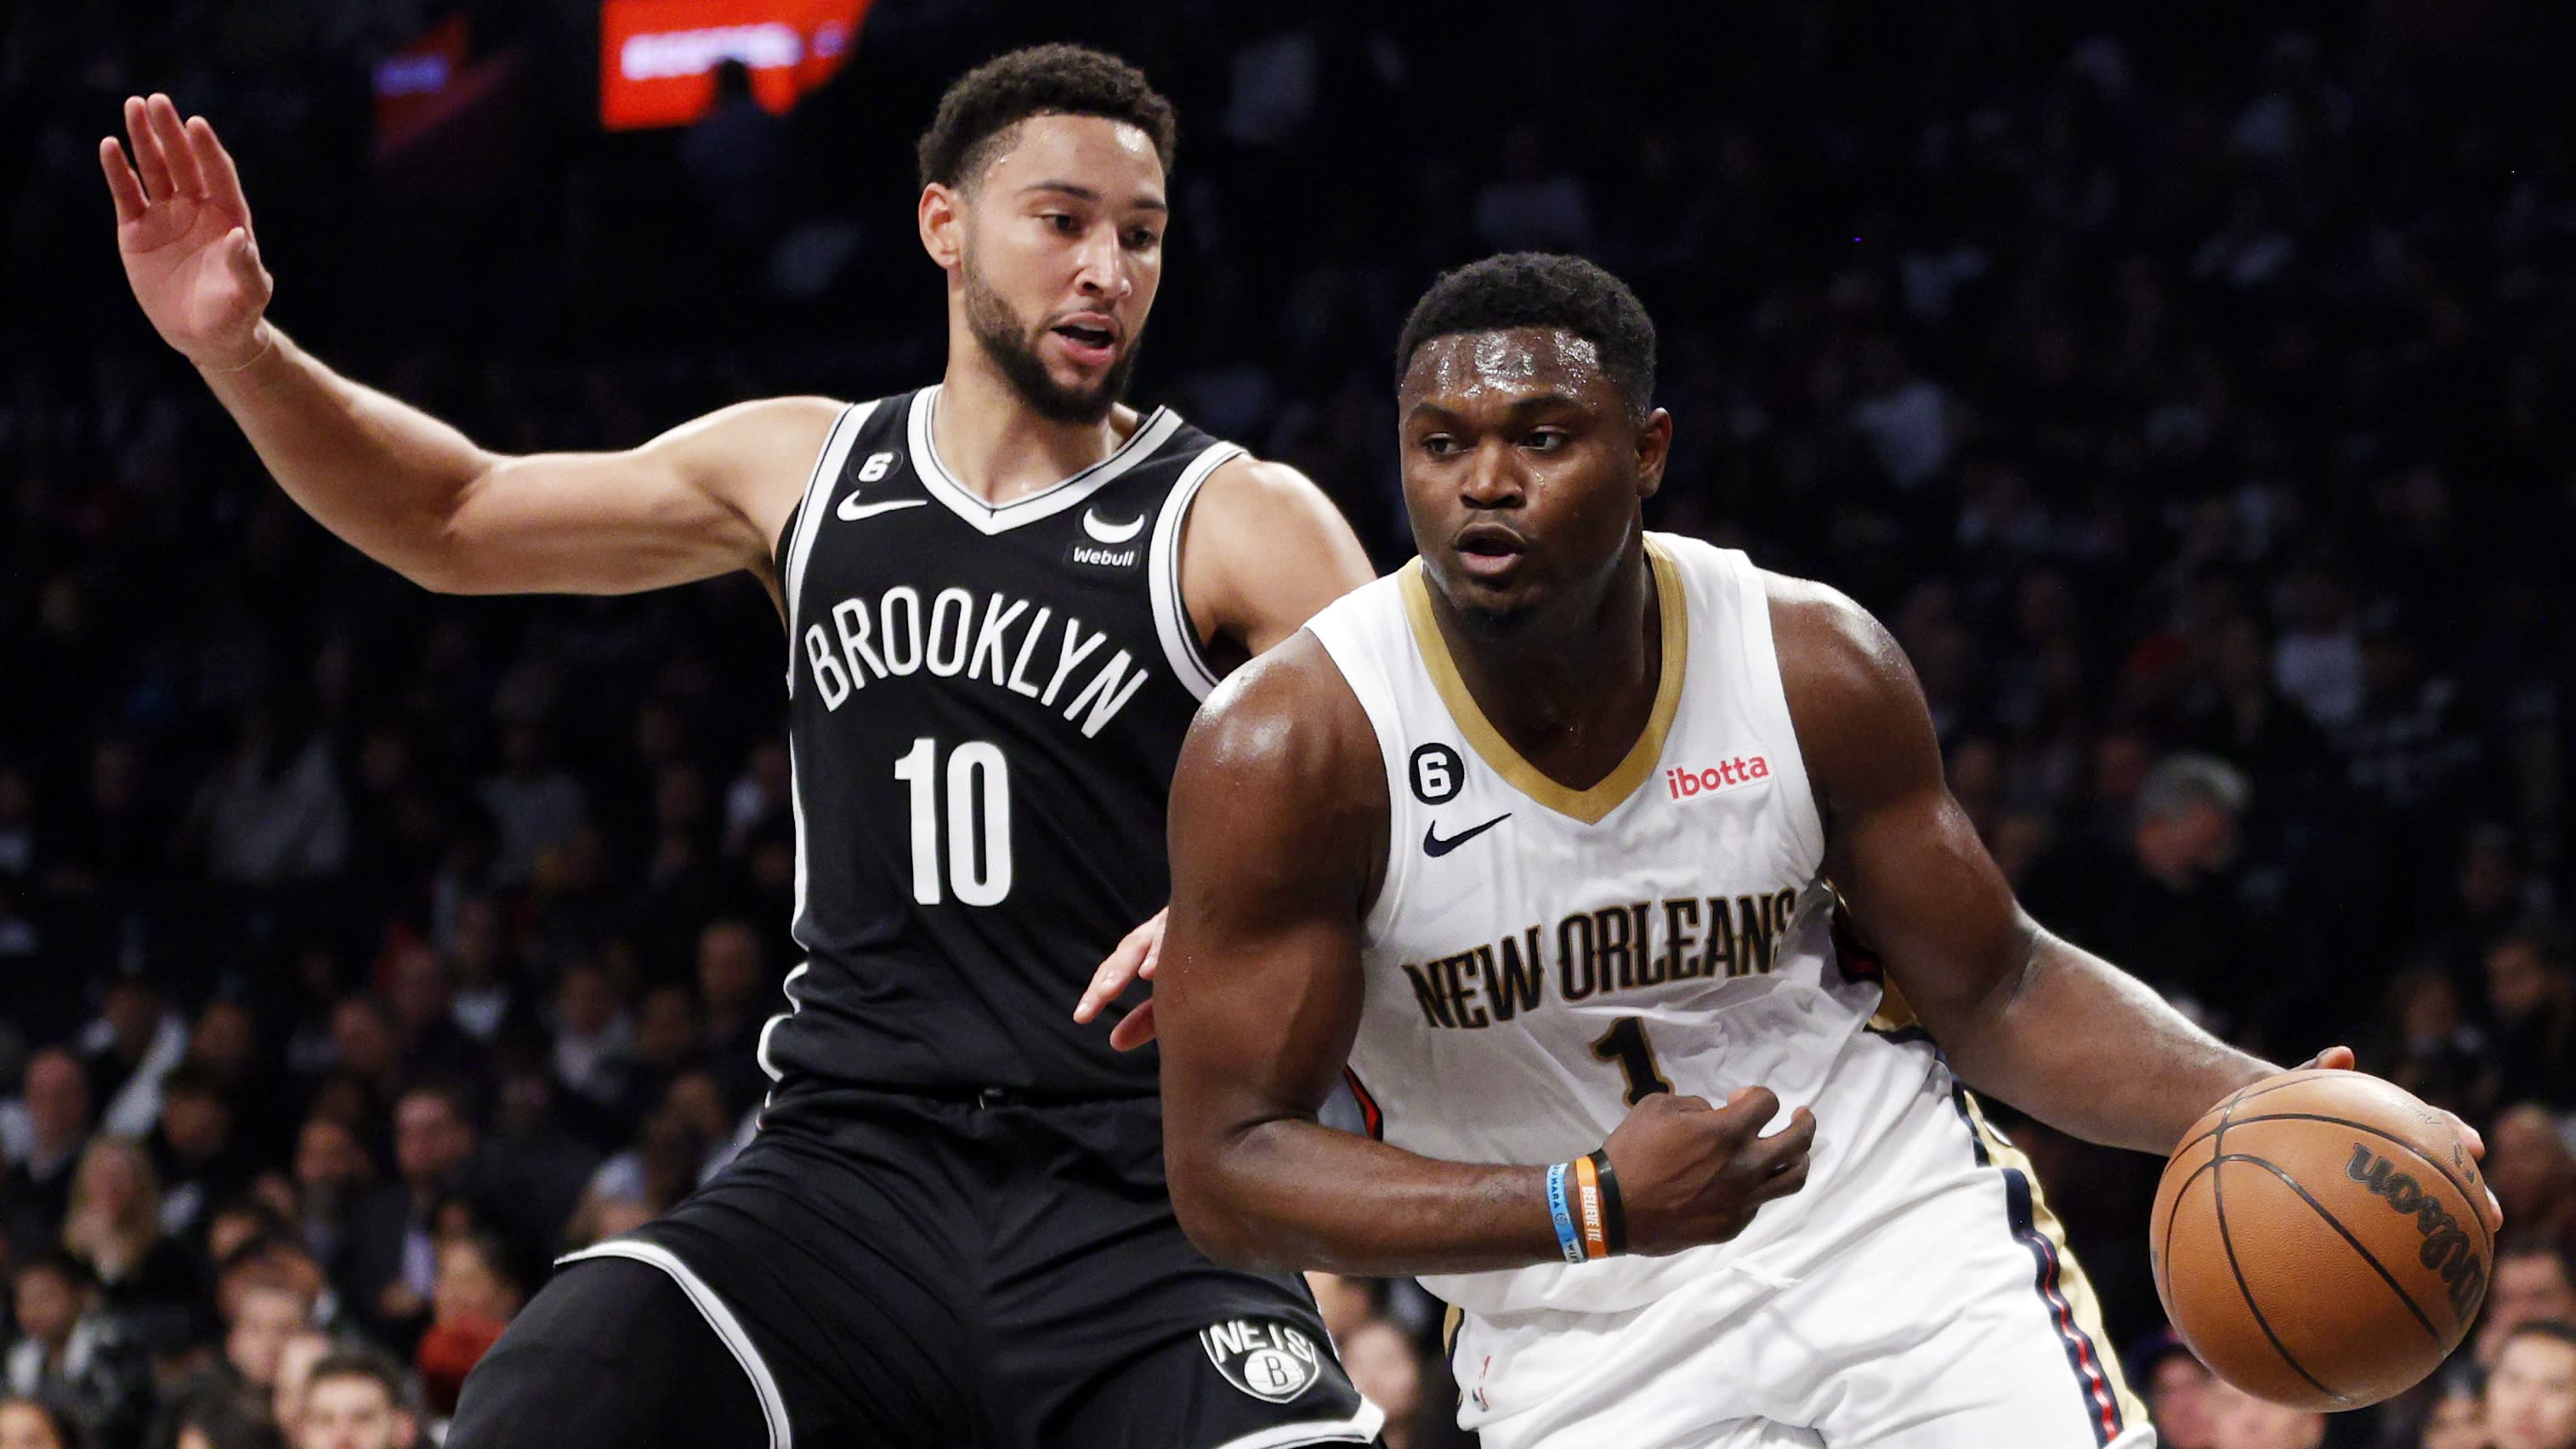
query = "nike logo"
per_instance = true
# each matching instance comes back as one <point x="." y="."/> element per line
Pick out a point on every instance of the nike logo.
<point x="1111" y="532"/>
<point x="1435" y="847"/>
<point x="852" y="510"/>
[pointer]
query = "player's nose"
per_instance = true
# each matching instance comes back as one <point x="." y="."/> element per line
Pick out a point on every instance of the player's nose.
<point x="1101" y="269"/>
<point x="1492" y="477"/>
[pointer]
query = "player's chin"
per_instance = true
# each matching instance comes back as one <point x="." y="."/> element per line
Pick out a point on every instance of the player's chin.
<point x="1086" y="384"/>
<point x="1487" y="595"/>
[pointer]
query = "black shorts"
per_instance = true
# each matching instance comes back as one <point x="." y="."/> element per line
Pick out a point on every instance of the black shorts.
<point x="902" y="1271"/>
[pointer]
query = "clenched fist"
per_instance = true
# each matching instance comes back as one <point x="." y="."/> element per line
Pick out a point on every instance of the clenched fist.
<point x="1691" y="1173"/>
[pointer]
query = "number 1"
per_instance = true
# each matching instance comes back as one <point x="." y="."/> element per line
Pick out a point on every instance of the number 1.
<point x="1625" y="1044"/>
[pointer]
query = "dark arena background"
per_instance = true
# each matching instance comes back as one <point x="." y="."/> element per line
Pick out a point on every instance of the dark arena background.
<point x="2187" y="386"/>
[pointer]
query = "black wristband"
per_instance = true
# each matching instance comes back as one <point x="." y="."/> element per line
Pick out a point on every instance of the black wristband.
<point x="1614" y="1216"/>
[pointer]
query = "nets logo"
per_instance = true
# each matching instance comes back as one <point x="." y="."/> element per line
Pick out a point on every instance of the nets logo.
<point x="1268" y="1359"/>
<point x="1688" y="784"/>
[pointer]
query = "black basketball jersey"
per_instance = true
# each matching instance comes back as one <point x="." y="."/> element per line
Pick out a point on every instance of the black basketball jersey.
<point x="985" y="704"/>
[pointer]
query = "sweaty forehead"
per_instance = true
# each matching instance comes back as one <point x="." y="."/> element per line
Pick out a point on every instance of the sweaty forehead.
<point x="1496" y="368"/>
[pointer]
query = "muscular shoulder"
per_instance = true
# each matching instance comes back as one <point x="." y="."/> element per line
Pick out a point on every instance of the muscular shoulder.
<point x="763" y="431"/>
<point x="757" y="455"/>
<point x="1249" y="489"/>
<point x="1853" y="697"/>
<point x="1282" y="761"/>
<point x="1832" y="651"/>
<point x="1263" y="551"/>
<point x="1287" y="720"/>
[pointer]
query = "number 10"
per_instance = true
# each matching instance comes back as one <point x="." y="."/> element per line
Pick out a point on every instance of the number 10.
<point x="978" y="877"/>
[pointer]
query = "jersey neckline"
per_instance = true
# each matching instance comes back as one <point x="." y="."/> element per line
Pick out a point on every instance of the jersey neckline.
<point x="1152" y="432"/>
<point x="1633" y="770"/>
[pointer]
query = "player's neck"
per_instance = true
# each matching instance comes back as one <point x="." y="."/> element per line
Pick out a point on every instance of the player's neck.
<point x="999" y="448"/>
<point x="1570" y="688"/>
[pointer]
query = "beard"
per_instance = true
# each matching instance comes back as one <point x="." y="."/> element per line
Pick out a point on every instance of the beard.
<point x="1015" y="351"/>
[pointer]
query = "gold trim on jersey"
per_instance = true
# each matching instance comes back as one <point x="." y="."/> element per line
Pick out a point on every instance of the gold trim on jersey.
<point x="2070" y="1278"/>
<point x="1895" y="1013"/>
<point x="1588" y="806"/>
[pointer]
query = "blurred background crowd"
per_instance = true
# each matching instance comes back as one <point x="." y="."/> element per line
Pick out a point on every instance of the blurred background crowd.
<point x="2187" y="386"/>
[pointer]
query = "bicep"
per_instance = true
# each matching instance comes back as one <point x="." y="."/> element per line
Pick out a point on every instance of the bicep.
<point x="1900" y="850"/>
<point x="1256" y="1009"/>
<point x="1923" y="891"/>
<point x="703" y="499"/>
<point x="1259" y="991"/>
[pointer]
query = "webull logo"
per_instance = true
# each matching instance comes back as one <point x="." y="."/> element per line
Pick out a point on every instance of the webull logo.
<point x="2447" y="1248"/>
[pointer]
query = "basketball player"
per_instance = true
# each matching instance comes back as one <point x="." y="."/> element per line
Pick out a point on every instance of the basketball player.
<point x="1543" y="839"/>
<point x="1004" y="596"/>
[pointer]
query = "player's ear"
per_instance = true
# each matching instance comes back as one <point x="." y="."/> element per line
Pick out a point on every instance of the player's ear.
<point x="942" y="219"/>
<point x="1654" y="449"/>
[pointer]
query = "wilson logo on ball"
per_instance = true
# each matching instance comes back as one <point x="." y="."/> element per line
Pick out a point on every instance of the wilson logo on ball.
<point x="2447" y="1247"/>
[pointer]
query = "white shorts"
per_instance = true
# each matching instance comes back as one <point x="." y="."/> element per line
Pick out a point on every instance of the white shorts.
<point x="1958" y="1323"/>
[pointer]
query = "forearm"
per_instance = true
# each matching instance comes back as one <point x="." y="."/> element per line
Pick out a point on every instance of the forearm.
<point x="381" y="474"/>
<point x="1291" y="1194"/>
<point x="2092" y="1051"/>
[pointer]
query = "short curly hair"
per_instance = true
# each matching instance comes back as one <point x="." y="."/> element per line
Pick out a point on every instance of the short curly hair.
<point x="1537" y="289"/>
<point x="1038" y="80"/>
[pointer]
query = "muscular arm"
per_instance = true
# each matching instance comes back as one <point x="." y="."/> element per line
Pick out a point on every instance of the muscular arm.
<point x="2021" y="1015"/>
<point x="420" y="497"/>
<point x="1278" y="818"/>
<point x="1264" y="552"/>
<point x="1278" y="829"/>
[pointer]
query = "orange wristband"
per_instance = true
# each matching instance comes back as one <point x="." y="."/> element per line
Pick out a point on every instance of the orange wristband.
<point x="1587" y="1213"/>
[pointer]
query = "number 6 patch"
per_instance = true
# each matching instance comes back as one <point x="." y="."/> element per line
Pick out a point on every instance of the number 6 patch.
<point x="1268" y="1359"/>
<point x="1437" y="774"/>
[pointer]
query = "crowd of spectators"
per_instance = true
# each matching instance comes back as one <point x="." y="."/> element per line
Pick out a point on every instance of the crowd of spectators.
<point x="2186" y="387"/>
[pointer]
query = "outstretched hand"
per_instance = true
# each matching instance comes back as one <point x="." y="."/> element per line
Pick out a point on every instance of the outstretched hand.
<point x="1133" y="960"/>
<point x="2341" y="1059"/>
<point x="183" y="229"/>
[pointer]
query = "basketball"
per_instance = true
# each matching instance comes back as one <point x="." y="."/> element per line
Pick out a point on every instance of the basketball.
<point x="2317" y="1239"/>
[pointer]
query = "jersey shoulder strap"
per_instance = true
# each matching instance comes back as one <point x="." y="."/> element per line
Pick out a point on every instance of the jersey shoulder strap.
<point x="796" y="540"/>
<point x="1199" y="456"/>
<point x="1370" y="640"/>
<point x="1735" y="698"/>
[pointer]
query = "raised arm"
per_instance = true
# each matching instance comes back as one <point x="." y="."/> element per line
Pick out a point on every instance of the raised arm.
<point x="2022" y="1015"/>
<point x="1279" y="815"/>
<point x="401" y="486"/>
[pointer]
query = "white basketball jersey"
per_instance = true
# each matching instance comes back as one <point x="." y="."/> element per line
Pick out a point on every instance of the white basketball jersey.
<point x="1539" y="958"/>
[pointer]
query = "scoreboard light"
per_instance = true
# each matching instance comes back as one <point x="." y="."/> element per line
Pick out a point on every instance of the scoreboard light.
<point x="417" y="86"/>
<point x="657" y="58"/>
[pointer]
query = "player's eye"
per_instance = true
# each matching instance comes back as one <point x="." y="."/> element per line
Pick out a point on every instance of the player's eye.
<point x="1063" y="222"/>
<point x="1545" y="440"/>
<point x="1439" y="445"/>
<point x="1143" y="238"/>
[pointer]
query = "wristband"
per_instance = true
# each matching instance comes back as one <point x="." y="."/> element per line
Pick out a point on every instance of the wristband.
<point x="1587" y="1208"/>
<point x="1614" y="1213"/>
<point x="1568" y="1241"/>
